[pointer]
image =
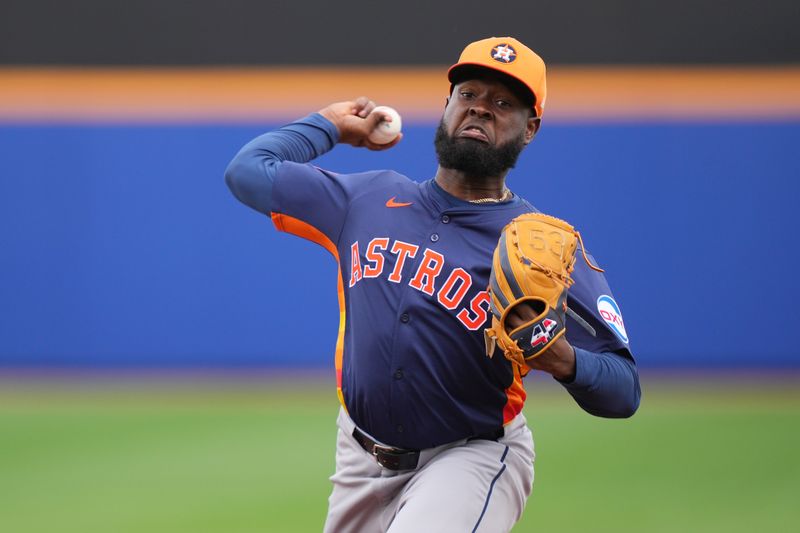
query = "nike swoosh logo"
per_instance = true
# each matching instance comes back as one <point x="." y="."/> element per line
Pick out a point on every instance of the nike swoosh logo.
<point x="391" y="203"/>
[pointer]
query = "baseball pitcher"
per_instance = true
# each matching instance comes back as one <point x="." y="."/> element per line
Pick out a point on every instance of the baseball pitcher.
<point x="451" y="290"/>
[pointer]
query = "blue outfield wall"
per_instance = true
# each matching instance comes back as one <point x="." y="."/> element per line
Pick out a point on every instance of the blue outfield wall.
<point x="121" y="245"/>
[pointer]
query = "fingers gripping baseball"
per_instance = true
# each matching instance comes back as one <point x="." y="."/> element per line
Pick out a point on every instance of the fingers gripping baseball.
<point x="356" y="121"/>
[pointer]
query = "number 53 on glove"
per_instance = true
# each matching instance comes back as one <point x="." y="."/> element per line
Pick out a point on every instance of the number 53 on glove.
<point x="531" y="266"/>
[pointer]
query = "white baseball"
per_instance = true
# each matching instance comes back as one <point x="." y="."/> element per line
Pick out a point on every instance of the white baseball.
<point x="385" y="132"/>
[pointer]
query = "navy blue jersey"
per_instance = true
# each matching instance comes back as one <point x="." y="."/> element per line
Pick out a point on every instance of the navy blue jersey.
<point x="414" y="265"/>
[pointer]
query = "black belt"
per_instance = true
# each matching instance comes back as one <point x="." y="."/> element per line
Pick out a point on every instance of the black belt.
<point x="388" y="456"/>
<point x="400" y="458"/>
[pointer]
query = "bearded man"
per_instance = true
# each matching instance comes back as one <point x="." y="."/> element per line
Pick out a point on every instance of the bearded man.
<point x="431" y="435"/>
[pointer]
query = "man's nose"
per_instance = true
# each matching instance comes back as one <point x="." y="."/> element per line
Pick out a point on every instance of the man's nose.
<point x="480" y="109"/>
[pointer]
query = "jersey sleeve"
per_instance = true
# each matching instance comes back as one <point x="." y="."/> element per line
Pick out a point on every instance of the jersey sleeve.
<point x="270" y="175"/>
<point x="606" y="382"/>
<point x="251" y="173"/>
<point x="313" y="203"/>
<point x="591" y="299"/>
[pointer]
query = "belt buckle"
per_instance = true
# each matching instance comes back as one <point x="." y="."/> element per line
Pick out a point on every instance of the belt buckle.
<point x="389" y="457"/>
<point x="378" y="448"/>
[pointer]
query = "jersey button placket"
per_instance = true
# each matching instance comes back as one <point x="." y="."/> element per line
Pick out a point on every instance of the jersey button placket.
<point x="399" y="374"/>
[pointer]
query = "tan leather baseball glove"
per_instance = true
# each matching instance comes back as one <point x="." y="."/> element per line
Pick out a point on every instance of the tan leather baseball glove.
<point x="531" y="266"/>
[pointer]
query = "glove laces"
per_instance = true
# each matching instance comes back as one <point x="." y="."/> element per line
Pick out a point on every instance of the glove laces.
<point x="585" y="258"/>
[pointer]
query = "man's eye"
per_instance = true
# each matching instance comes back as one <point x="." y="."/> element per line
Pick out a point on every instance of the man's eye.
<point x="503" y="103"/>
<point x="466" y="94"/>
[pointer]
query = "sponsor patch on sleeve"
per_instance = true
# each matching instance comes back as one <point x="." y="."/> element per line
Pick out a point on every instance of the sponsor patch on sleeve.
<point x="609" y="311"/>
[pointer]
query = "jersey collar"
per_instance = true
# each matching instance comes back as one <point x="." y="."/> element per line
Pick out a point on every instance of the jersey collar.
<point x="447" y="201"/>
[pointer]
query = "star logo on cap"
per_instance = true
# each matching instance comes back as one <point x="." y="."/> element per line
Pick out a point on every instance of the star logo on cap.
<point x="504" y="53"/>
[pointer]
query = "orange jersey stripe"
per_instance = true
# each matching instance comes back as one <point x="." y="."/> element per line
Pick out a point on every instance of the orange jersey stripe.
<point x="256" y="95"/>
<point x="516" y="397"/>
<point x="295" y="226"/>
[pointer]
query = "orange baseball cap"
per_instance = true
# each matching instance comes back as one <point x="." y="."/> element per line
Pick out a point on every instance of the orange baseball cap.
<point x="511" y="57"/>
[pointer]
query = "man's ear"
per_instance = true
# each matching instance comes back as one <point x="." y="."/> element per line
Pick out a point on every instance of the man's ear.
<point x="446" y="102"/>
<point x="531" y="128"/>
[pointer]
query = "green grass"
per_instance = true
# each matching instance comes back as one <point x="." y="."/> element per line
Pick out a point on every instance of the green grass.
<point x="254" y="455"/>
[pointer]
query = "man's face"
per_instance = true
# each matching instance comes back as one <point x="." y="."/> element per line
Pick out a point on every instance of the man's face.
<point x="484" y="128"/>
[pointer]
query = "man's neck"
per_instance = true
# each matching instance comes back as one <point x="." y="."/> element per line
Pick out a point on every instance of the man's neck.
<point x="469" y="188"/>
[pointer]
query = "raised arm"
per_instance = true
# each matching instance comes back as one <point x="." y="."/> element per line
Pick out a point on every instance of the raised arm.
<point x="250" y="174"/>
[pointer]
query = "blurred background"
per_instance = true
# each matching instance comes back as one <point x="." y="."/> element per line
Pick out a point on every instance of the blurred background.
<point x="159" y="367"/>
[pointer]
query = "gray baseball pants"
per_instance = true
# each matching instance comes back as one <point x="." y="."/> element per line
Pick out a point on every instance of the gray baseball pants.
<point x="465" y="486"/>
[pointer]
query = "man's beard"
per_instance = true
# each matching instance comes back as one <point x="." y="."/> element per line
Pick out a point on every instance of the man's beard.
<point x="474" y="158"/>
